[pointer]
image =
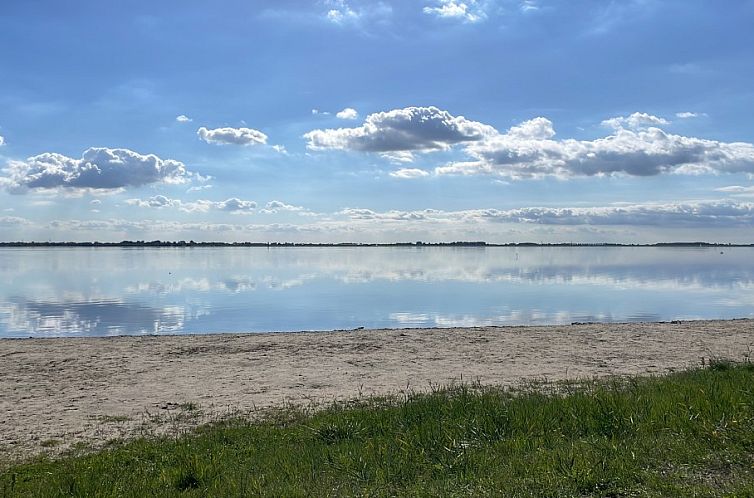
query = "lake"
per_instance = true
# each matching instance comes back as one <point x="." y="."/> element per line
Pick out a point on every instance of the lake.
<point x="47" y="292"/>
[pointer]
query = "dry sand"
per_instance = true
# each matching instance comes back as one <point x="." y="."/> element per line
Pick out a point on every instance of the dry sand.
<point x="55" y="393"/>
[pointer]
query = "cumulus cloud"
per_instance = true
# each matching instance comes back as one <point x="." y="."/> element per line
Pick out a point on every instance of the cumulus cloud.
<point x="232" y="136"/>
<point x="235" y="205"/>
<point x="232" y="205"/>
<point x="98" y="169"/>
<point x="347" y="113"/>
<point x="530" y="150"/>
<point x="469" y="11"/>
<point x="409" y="173"/>
<point x="273" y="207"/>
<point x="2" y="140"/>
<point x="636" y="146"/>
<point x="408" y="129"/>
<point x="635" y="121"/>
<point x="183" y="119"/>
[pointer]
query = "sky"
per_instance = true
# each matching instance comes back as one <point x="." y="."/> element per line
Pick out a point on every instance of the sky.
<point x="377" y="121"/>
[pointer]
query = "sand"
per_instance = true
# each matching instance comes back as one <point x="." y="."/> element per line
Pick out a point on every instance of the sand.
<point x="57" y="393"/>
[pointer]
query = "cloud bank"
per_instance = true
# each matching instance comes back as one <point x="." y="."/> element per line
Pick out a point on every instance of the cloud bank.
<point x="636" y="146"/>
<point x="97" y="169"/>
<point x="530" y="150"/>
<point x="685" y="214"/>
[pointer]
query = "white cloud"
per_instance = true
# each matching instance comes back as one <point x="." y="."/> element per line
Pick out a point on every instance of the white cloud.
<point x="273" y="207"/>
<point x="98" y="169"/>
<point x="635" y="121"/>
<point x="468" y="11"/>
<point x="409" y="129"/>
<point x="235" y="205"/>
<point x="340" y="12"/>
<point x="183" y="119"/>
<point x="395" y="215"/>
<point x="530" y="151"/>
<point x="232" y="136"/>
<point x="280" y="149"/>
<point x="232" y="205"/>
<point x="2" y="140"/>
<point x="342" y="15"/>
<point x="409" y="173"/>
<point x="347" y="113"/>
<point x="398" y="157"/>
<point x="355" y="13"/>
<point x="690" y="115"/>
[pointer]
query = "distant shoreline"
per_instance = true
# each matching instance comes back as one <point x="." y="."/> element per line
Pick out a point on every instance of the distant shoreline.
<point x="183" y="243"/>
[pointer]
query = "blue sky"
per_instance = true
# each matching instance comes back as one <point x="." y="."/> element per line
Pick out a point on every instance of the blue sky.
<point x="344" y="120"/>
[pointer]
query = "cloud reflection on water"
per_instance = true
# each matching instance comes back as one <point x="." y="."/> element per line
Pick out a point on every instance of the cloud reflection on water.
<point x="116" y="291"/>
<point x="96" y="318"/>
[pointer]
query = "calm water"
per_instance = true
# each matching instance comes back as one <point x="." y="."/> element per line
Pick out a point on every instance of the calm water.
<point x="63" y="292"/>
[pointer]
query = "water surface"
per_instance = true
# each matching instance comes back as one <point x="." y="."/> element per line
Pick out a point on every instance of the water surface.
<point x="117" y="291"/>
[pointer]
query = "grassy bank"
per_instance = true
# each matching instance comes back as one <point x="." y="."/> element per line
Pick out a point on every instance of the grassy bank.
<point x="686" y="434"/>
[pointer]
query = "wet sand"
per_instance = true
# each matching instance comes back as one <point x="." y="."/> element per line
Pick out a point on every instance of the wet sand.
<point x="55" y="393"/>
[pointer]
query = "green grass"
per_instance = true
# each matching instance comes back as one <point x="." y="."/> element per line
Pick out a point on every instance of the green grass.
<point x="685" y="434"/>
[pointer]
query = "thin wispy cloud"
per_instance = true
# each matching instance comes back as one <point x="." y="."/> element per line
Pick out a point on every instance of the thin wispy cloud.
<point x="737" y="190"/>
<point x="689" y="115"/>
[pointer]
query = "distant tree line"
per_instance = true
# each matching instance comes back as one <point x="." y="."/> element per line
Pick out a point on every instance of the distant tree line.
<point x="191" y="243"/>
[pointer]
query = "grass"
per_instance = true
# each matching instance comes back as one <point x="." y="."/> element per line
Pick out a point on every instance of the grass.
<point x="686" y="434"/>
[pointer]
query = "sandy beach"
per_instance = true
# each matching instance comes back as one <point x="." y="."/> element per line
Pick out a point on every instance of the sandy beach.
<point x="55" y="393"/>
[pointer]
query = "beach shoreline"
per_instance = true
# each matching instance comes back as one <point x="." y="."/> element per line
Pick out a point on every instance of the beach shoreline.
<point x="56" y="393"/>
